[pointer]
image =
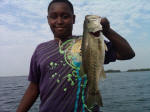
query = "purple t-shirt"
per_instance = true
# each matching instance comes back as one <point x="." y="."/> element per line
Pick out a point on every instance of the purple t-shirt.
<point x="58" y="82"/>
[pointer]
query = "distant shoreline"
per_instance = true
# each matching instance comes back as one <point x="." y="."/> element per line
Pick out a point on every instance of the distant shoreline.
<point x="130" y="70"/>
<point x="112" y="71"/>
<point x="106" y="71"/>
<point x="135" y="70"/>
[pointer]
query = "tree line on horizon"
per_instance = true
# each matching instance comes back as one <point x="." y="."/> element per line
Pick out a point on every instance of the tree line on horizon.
<point x="130" y="70"/>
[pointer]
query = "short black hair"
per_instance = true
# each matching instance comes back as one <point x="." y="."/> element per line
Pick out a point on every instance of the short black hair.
<point x="64" y="1"/>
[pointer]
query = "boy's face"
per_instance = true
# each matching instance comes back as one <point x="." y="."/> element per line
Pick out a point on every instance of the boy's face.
<point x="61" y="20"/>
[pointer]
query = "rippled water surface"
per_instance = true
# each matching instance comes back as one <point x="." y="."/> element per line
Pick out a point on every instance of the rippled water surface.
<point x="121" y="92"/>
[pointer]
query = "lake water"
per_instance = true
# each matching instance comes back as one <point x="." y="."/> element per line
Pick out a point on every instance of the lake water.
<point x="121" y="92"/>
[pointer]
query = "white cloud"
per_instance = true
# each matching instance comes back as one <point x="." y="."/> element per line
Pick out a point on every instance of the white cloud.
<point x="15" y="22"/>
<point x="38" y="7"/>
<point x="121" y="14"/>
<point x="16" y="50"/>
<point x="18" y="45"/>
<point x="8" y="18"/>
<point x="3" y="2"/>
<point x="15" y="59"/>
<point x="138" y="62"/>
<point x="45" y="31"/>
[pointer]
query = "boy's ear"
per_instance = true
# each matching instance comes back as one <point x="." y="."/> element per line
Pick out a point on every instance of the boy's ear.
<point x="74" y="17"/>
<point x="48" y="20"/>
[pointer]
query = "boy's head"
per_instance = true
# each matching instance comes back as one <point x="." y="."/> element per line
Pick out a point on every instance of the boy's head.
<point x="63" y="1"/>
<point x="61" y="18"/>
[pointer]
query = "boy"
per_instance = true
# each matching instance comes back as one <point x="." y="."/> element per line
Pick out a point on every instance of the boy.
<point x="51" y="77"/>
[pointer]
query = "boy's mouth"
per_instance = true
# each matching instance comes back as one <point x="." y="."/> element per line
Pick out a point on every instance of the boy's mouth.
<point x="60" y="28"/>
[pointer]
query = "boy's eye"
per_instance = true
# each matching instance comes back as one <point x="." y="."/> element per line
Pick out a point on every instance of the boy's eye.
<point x="55" y="16"/>
<point x="52" y="16"/>
<point x="65" y="16"/>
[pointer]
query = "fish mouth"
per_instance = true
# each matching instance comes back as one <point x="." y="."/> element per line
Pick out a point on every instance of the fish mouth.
<point x="95" y="34"/>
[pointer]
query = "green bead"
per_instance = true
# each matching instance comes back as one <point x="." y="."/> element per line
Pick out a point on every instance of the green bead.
<point x="69" y="75"/>
<point x="58" y="81"/>
<point x="65" y="89"/>
<point x="53" y="76"/>
<point x="72" y="83"/>
<point x="61" y="52"/>
<point x="69" y="57"/>
<point x="51" y="63"/>
<point x="69" y="79"/>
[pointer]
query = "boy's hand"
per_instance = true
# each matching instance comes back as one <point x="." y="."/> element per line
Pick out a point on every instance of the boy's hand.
<point x="105" y="25"/>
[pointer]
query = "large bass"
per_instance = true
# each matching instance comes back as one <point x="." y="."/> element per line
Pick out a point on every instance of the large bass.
<point x="93" y="54"/>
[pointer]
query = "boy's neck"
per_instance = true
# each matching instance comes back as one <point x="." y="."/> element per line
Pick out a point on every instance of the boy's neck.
<point x="62" y="39"/>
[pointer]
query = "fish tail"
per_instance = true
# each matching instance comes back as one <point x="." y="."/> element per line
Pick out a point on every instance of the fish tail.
<point x="94" y="99"/>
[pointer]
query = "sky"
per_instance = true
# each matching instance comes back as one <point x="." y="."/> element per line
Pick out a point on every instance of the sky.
<point x="23" y="25"/>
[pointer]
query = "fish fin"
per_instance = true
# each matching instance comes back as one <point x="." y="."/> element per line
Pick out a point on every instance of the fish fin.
<point x="105" y="47"/>
<point x="94" y="99"/>
<point x="102" y="74"/>
<point x="81" y="72"/>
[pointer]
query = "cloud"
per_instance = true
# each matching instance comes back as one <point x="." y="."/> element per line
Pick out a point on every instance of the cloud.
<point x="16" y="49"/>
<point x="15" y="59"/>
<point x="9" y="19"/>
<point x="3" y="2"/>
<point x="33" y="6"/>
<point x="123" y="15"/>
<point x="23" y="25"/>
<point x="12" y="37"/>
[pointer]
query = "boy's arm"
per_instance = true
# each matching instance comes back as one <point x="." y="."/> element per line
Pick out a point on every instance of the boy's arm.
<point x="29" y="98"/>
<point x="121" y="46"/>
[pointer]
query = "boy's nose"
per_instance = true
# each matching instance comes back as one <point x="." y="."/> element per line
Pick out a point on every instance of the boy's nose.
<point x="59" y="20"/>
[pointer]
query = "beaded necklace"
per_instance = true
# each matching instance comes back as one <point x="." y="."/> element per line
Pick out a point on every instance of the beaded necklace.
<point x="65" y="49"/>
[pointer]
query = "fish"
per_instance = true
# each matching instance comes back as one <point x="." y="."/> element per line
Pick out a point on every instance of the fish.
<point x="93" y="54"/>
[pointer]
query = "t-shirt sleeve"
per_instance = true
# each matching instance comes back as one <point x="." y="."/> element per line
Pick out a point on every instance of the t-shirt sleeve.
<point x="110" y="54"/>
<point x="34" y="73"/>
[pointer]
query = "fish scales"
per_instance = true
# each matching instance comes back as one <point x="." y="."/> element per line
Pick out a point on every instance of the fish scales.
<point x="93" y="54"/>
